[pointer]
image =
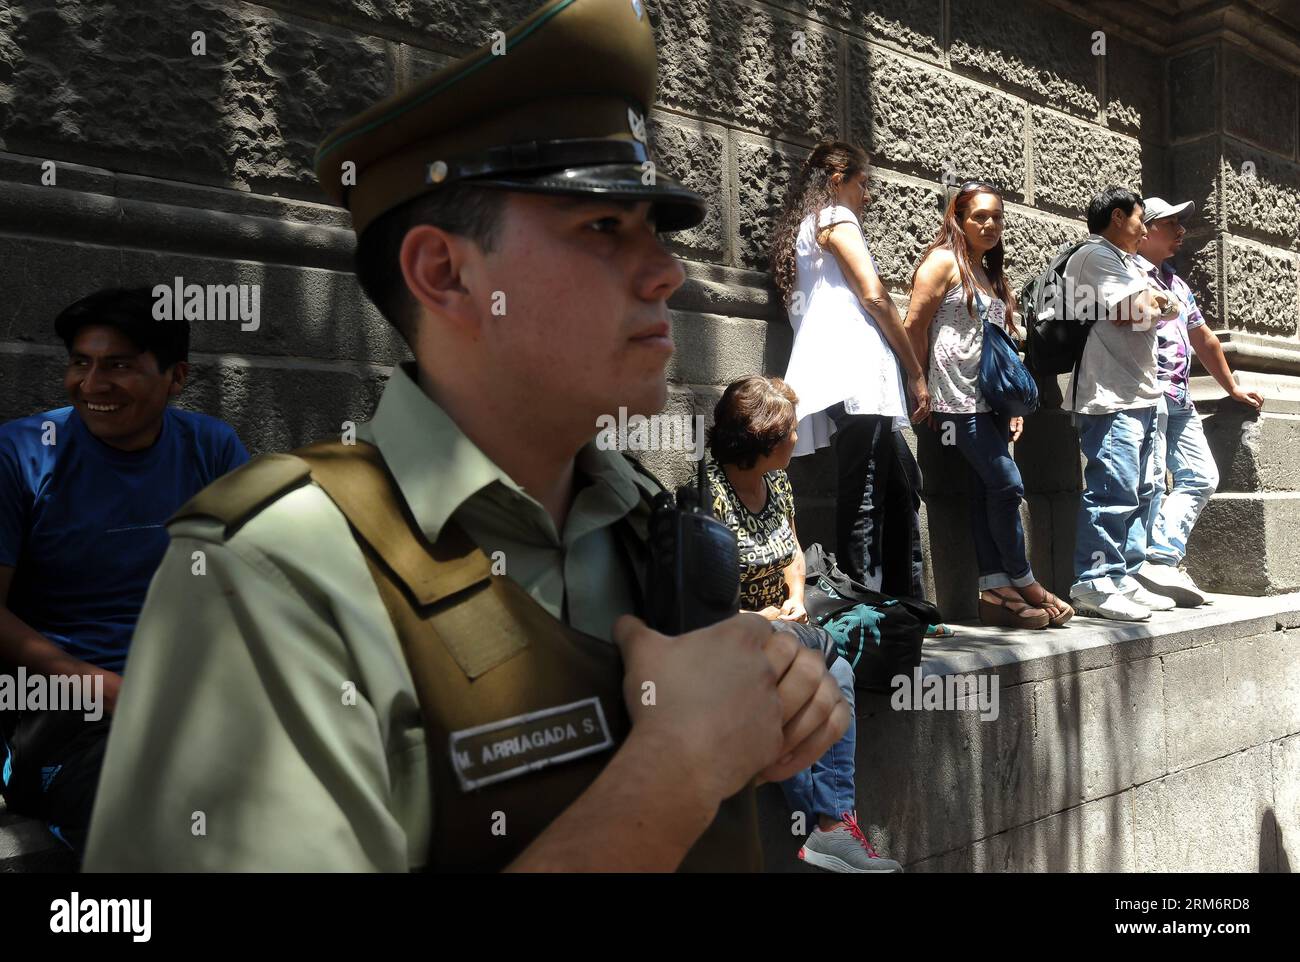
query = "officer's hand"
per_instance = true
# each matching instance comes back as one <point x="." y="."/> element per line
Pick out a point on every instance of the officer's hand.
<point x="814" y="714"/>
<point x="712" y="697"/>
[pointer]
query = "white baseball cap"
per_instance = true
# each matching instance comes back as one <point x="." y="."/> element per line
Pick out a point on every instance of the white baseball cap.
<point x="1154" y="208"/>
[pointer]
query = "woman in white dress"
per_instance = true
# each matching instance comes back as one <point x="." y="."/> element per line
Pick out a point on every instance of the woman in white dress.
<point x="849" y="344"/>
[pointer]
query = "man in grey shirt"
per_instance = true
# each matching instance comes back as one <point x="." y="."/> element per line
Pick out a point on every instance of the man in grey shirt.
<point x="1113" y="395"/>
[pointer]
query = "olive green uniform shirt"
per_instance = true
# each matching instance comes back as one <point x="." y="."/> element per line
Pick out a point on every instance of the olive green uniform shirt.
<point x="267" y="720"/>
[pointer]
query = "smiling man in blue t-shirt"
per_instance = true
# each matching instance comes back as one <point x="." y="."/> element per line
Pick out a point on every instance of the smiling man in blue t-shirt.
<point x="84" y="494"/>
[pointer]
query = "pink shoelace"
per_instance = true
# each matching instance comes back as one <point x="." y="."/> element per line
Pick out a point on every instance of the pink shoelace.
<point x="851" y="820"/>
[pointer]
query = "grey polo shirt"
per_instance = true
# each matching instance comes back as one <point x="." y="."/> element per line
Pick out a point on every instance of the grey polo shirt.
<point x="1118" y="371"/>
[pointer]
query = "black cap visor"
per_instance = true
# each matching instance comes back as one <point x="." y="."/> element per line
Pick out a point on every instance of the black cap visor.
<point x="675" y="207"/>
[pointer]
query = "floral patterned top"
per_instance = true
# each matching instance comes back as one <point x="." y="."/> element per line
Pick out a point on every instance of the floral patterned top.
<point x="1173" y="346"/>
<point x="766" y="540"/>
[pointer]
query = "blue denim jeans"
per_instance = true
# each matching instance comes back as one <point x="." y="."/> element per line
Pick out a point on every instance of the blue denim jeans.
<point x="1180" y="447"/>
<point x="996" y="491"/>
<point x="827" y="787"/>
<point x="1118" y="484"/>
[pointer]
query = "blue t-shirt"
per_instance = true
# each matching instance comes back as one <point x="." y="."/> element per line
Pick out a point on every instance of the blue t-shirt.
<point x="82" y="523"/>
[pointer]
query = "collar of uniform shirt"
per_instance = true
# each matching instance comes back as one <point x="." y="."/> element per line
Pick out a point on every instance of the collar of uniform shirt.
<point x="414" y="433"/>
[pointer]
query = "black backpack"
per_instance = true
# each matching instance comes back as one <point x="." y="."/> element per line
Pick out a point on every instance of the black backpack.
<point x="1055" y="332"/>
<point x="879" y="636"/>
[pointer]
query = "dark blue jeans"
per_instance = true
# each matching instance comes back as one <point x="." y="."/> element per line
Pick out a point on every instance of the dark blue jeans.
<point x="877" y="504"/>
<point x="996" y="491"/>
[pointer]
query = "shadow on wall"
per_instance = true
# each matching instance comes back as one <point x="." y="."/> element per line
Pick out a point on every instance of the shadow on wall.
<point x="1272" y="845"/>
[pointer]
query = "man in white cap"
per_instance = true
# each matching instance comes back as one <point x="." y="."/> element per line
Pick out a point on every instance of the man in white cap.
<point x="1180" y="440"/>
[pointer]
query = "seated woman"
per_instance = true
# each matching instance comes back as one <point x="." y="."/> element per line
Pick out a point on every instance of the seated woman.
<point x="957" y="284"/>
<point x="750" y="444"/>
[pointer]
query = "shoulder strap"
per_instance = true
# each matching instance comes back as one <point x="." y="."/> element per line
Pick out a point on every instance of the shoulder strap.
<point x="238" y="496"/>
<point x="359" y="483"/>
<point x="646" y="479"/>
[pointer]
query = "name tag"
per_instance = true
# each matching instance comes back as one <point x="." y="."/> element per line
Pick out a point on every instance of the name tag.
<point x="526" y="743"/>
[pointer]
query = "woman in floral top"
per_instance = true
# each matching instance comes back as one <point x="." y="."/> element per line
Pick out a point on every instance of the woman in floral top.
<point x="750" y="444"/>
<point x="752" y="494"/>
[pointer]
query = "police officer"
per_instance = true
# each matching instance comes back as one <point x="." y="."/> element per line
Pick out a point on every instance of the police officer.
<point x="396" y="653"/>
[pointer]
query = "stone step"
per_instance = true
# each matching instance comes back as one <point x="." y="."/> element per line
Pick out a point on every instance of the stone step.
<point x="1245" y="544"/>
<point x="1254" y="452"/>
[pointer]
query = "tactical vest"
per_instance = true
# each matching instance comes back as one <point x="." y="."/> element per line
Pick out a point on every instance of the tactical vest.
<point x="521" y="712"/>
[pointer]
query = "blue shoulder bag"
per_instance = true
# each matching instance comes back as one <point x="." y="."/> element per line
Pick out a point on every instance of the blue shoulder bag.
<point x="1005" y="382"/>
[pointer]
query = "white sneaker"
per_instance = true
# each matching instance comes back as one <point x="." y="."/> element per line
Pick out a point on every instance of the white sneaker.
<point x="1172" y="583"/>
<point x="1116" y="607"/>
<point x="1149" y="599"/>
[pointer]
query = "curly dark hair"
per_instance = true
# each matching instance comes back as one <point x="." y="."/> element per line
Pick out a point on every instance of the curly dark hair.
<point x="752" y="417"/>
<point x="811" y="192"/>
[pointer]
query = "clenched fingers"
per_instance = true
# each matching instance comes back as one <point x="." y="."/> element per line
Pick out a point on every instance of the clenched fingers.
<point x="782" y="648"/>
<point x="811" y="748"/>
<point x="801" y="681"/>
<point x="812" y="715"/>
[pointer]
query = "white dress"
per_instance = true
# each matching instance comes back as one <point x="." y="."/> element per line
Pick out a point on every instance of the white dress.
<point x="839" y="352"/>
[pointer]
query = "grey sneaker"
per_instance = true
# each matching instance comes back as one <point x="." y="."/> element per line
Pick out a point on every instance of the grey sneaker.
<point x="845" y="849"/>
<point x="1172" y="583"/>
<point x="1149" y="599"/>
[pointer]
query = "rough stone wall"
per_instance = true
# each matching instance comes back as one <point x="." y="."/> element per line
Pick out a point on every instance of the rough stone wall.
<point x="1235" y="149"/>
<point x="174" y="164"/>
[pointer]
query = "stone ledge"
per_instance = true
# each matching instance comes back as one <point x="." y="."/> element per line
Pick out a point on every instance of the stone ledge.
<point x="26" y="170"/>
<point x="127" y="223"/>
<point x="1259" y="353"/>
<point x="1087" y="643"/>
<point x="1101" y="757"/>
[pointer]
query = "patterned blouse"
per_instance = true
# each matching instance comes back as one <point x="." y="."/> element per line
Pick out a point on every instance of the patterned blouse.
<point x="767" y="541"/>
<point x="1173" y="345"/>
<point x="956" y="343"/>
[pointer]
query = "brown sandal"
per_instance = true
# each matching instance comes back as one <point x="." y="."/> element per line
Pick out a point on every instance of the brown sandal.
<point x="1055" y="621"/>
<point x="1006" y="613"/>
<point x="1066" y="614"/>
